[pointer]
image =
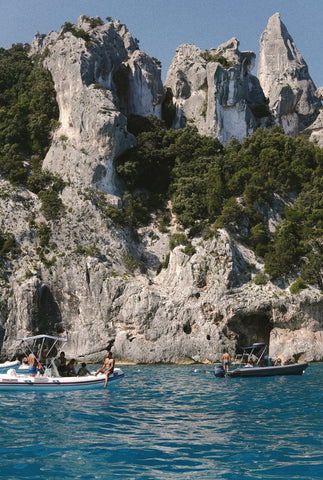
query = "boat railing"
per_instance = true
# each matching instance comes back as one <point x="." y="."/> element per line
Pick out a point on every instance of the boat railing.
<point x="54" y="369"/>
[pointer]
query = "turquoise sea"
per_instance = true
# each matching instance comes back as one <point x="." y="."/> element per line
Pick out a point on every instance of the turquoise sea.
<point x="168" y="423"/>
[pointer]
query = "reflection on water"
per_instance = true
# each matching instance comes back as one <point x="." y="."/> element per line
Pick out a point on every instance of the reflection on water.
<point x="168" y="422"/>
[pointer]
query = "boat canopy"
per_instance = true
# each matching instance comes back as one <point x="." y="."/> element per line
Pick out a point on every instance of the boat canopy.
<point x="38" y="337"/>
<point x="256" y="347"/>
<point x="258" y="350"/>
<point x="44" y="347"/>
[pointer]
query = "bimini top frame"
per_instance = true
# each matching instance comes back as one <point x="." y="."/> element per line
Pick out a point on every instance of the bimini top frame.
<point x="259" y="350"/>
<point x="39" y="343"/>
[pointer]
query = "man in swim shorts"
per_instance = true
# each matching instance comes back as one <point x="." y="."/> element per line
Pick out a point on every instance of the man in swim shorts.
<point x="226" y="359"/>
<point x="107" y="367"/>
<point x="32" y="362"/>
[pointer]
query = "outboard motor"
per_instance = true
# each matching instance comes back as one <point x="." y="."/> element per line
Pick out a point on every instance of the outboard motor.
<point x="219" y="371"/>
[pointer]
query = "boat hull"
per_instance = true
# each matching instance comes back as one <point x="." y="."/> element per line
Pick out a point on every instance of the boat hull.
<point x="293" y="369"/>
<point x="23" y="383"/>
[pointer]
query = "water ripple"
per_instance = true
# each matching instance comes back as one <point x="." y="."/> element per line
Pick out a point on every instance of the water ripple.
<point x="168" y="422"/>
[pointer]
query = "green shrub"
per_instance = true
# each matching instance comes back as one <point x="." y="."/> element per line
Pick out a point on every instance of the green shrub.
<point x="95" y="22"/>
<point x="52" y="206"/>
<point x="77" y="32"/>
<point x="168" y="108"/>
<point x="48" y="263"/>
<point x="297" y="286"/>
<point x="177" y="239"/>
<point x="261" y="110"/>
<point x="164" y="264"/>
<point x="261" y="278"/>
<point x="8" y="245"/>
<point x="312" y="269"/>
<point x="189" y="250"/>
<point x="231" y="214"/>
<point x="92" y="251"/>
<point x="156" y="61"/>
<point x="259" y="240"/>
<point x="44" y="232"/>
<point x="203" y="110"/>
<point x="115" y="214"/>
<point x="28" y="274"/>
<point x="40" y="180"/>
<point x="131" y="261"/>
<point x="163" y="222"/>
<point x="208" y="57"/>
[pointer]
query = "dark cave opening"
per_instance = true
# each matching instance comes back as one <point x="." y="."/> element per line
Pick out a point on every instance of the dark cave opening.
<point x="250" y="328"/>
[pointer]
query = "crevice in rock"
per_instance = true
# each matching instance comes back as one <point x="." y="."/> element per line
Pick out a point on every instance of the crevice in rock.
<point x="87" y="274"/>
<point x="187" y="328"/>
<point x="47" y="317"/>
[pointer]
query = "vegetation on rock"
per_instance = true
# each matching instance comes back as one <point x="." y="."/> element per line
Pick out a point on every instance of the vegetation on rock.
<point x="212" y="186"/>
<point x="28" y="113"/>
<point x="208" y="57"/>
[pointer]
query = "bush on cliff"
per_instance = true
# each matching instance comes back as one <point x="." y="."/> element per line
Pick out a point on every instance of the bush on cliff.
<point x="227" y="186"/>
<point x="8" y="245"/>
<point x="27" y="108"/>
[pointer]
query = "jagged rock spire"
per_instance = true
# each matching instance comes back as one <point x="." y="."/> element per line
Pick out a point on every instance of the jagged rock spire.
<point x="215" y="91"/>
<point x="284" y="78"/>
<point x="100" y="76"/>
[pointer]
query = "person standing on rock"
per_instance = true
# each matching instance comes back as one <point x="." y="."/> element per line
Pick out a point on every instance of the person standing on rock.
<point x="107" y="368"/>
<point x="226" y="360"/>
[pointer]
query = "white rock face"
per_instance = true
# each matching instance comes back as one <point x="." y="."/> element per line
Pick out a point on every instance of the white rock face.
<point x="284" y="78"/>
<point x="191" y="311"/>
<point x="216" y="93"/>
<point x="316" y="128"/>
<point x="93" y="98"/>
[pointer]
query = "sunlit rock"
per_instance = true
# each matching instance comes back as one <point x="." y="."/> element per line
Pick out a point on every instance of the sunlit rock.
<point x="285" y="80"/>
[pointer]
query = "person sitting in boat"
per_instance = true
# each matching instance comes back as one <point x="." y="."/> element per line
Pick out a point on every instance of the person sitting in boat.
<point x="43" y="356"/>
<point x="107" y="367"/>
<point x="70" y="368"/>
<point x="266" y="361"/>
<point x="83" y="370"/>
<point x="61" y="364"/>
<point x="32" y="362"/>
<point x="280" y="359"/>
<point x="249" y="364"/>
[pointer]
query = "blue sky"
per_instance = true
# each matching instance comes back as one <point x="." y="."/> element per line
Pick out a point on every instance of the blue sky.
<point x="162" y="25"/>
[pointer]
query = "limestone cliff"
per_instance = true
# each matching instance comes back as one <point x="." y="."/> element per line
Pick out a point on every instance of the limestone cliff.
<point x="100" y="75"/>
<point x="215" y="91"/>
<point x="89" y="289"/>
<point x="284" y="78"/>
<point x="98" y="285"/>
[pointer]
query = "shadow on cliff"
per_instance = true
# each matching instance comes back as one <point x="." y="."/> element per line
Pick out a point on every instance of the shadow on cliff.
<point x="46" y="318"/>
